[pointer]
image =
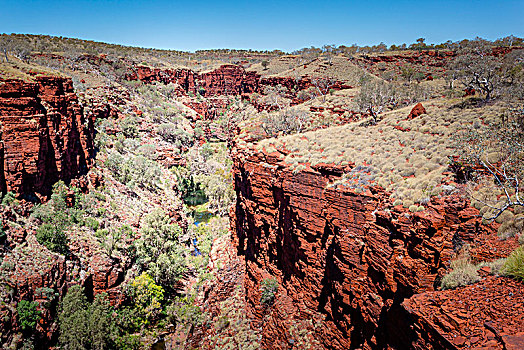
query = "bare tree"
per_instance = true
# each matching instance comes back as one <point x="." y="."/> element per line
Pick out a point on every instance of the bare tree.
<point x="286" y="121"/>
<point x="275" y="96"/>
<point x="374" y="96"/>
<point x="499" y="150"/>
<point x="323" y="85"/>
<point x="329" y="51"/>
<point x="478" y="68"/>
<point x="6" y="46"/>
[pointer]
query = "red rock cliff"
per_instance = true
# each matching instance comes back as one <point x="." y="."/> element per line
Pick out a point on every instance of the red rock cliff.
<point x="44" y="134"/>
<point x="344" y="261"/>
<point x="226" y="80"/>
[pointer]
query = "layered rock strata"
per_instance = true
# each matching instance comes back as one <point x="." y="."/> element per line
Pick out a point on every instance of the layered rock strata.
<point x="44" y="135"/>
<point x="344" y="261"/>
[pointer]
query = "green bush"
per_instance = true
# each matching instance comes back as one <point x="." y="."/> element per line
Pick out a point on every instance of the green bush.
<point x="184" y="311"/>
<point x="92" y="223"/>
<point x="159" y="252"/>
<point x="128" y="342"/>
<point x="9" y="198"/>
<point x="3" y="234"/>
<point x="171" y="133"/>
<point x="58" y="215"/>
<point x="129" y="126"/>
<point x="28" y="315"/>
<point x="514" y="266"/>
<point x="53" y="238"/>
<point x="135" y="170"/>
<point x="147" y="297"/>
<point x="268" y="290"/>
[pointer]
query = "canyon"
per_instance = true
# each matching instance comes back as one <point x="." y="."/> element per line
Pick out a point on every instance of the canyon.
<point x="356" y="271"/>
<point x="354" y="268"/>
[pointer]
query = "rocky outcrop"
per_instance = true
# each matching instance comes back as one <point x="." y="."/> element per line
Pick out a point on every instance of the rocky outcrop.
<point x="488" y="315"/>
<point x="44" y="135"/>
<point x="418" y="110"/>
<point x="344" y="261"/>
<point x="227" y="80"/>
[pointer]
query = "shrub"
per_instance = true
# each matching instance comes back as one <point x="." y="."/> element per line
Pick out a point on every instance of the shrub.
<point x="53" y="238"/>
<point x="129" y="126"/>
<point x="147" y="297"/>
<point x="514" y="266"/>
<point x="145" y="173"/>
<point x="184" y="311"/>
<point x="171" y="133"/>
<point x="48" y="294"/>
<point x="268" y="290"/>
<point x="3" y="234"/>
<point x="28" y="315"/>
<point x="8" y="199"/>
<point x="92" y="223"/>
<point x="135" y="170"/>
<point x="463" y="274"/>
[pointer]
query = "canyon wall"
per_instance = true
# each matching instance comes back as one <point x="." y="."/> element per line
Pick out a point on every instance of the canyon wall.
<point x="226" y="80"/>
<point x="345" y="262"/>
<point x="44" y="135"/>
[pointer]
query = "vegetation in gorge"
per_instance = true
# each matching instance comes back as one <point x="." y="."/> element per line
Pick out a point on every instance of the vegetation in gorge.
<point x="268" y="290"/>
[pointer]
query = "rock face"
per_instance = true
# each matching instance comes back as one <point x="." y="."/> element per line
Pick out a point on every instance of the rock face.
<point x="344" y="261"/>
<point x="44" y="135"/>
<point x="417" y="111"/>
<point x="227" y="80"/>
<point x="488" y="315"/>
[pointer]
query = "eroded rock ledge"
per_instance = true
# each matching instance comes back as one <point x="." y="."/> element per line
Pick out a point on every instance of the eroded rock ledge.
<point x="345" y="262"/>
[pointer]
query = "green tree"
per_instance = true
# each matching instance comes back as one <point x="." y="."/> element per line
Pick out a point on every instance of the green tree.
<point x="85" y="325"/>
<point x="53" y="237"/>
<point x="158" y="249"/>
<point x="100" y="323"/>
<point x="147" y="297"/>
<point x="73" y="320"/>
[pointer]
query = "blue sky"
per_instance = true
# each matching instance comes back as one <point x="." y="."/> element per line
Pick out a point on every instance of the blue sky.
<point x="270" y="24"/>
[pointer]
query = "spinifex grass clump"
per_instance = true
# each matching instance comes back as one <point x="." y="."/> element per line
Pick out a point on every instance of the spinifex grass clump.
<point x="462" y="274"/>
<point x="514" y="266"/>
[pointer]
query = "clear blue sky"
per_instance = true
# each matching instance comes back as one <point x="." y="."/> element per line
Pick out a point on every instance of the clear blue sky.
<point x="269" y="24"/>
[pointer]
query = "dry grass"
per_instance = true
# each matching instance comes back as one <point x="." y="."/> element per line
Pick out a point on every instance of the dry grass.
<point x="16" y="69"/>
<point x="276" y="65"/>
<point x="341" y="69"/>
<point x="410" y="163"/>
